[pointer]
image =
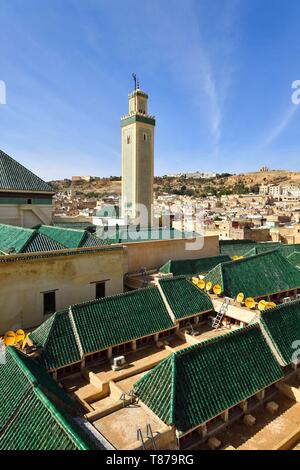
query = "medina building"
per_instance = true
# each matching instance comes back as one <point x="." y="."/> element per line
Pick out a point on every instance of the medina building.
<point x="25" y="199"/>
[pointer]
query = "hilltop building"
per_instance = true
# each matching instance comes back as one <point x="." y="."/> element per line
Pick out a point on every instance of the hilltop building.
<point x="25" y="199"/>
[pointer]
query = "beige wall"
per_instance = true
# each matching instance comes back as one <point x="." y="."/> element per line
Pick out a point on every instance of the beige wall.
<point x="153" y="254"/>
<point x="26" y="215"/>
<point x="22" y="282"/>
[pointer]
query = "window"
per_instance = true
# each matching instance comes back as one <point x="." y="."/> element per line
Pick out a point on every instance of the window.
<point x="49" y="303"/>
<point x="145" y="137"/>
<point x="128" y="139"/>
<point x="100" y="290"/>
<point x="29" y="201"/>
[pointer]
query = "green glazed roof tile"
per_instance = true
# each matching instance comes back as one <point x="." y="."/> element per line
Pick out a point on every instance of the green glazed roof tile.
<point x="191" y="267"/>
<point x="282" y="324"/>
<point x="69" y="238"/>
<point x="14" y="239"/>
<point x="34" y="409"/>
<point x="294" y="259"/>
<point x="14" y="176"/>
<point x="184" y="298"/>
<point x="256" y="276"/>
<point x="194" y="385"/>
<point x="101" y="324"/>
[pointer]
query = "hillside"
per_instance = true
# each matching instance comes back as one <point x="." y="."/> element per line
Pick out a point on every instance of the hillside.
<point x="221" y="184"/>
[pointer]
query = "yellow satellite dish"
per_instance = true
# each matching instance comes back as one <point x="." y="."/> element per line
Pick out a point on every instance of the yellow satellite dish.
<point x="209" y="286"/>
<point x="240" y="298"/>
<point x="201" y="284"/>
<point x="262" y="305"/>
<point x="250" y="303"/>
<point x="20" y="336"/>
<point x="271" y="305"/>
<point x="195" y="280"/>
<point x="235" y="258"/>
<point x="217" y="289"/>
<point x="9" y="338"/>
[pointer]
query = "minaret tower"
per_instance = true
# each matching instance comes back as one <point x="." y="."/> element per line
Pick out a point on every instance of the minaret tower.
<point x="137" y="156"/>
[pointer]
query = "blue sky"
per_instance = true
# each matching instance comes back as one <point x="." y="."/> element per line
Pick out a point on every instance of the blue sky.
<point x="218" y="72"/>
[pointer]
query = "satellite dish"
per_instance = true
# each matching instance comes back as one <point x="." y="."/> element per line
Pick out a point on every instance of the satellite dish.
<point x="195" y="280"/>
<point x="235" y="258"/>
<point x="20" y="336"/>
<point x="271" y="305"/>
<point x="262" y="305"/>
<point x="240" y="298"/>
<point x="9" y="338"/>
<point x="201" y="284"/>
<point x="250" y="303"/>
<point x="209" y="286"/>
<point x="217" y="289"/>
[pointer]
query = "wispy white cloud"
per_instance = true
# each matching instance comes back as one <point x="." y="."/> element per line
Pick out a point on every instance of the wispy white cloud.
<point x="199" y="59"/>
<point x="280" y="127"/>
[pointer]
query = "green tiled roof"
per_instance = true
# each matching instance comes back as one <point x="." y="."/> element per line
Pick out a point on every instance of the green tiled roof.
<point x="70" y="238"/>
<point x="101" y="324"/>
<point x="287" y="250"/>
<point x="36" y="414"/>
<point x="56" y="337"/>
<point x="282" y="324"/>
<point x="256" y="276"/>
<point x="184" y="298"/>
<point x="261" y="248"/>
<point x="14" y="239"/>
<point x="67" y="237"/>
<point x="40" y="242"/>
<point x="14" y="176"/>
<point x="191" y="267"/>
<point x="294" y="258"/>
<point x="194" y="385"/>
<point x="77" y="225"/>
<point x="243" y="247"/>
<point x="92" y="240"/>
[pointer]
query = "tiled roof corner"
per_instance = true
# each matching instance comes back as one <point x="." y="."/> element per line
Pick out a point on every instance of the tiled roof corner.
<point x="14" y="176"/>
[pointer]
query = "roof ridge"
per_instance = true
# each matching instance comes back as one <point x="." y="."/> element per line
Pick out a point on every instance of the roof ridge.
<point x="26" y="371"/>
<point x="102" y="300"/>
<point x="64" y="228"/>
<point x="75" y="332"/>
<point x="19" y="165"/>
<point x="173" y="388"/>
<point x="280" y="307"/>
<point x="216" y="339"/>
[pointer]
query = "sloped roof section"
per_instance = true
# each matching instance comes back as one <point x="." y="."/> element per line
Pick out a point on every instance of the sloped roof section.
<point x="34" y="409"/>
<point x="14" y="239"/>
<point x="184" y="298"/>
<point x="56" y="337"/>
<point x="40" y="242"/>
<point x="191" y="267"/>
<point x="261" y="248"/>
<point x="101" y="324"/>
<point x="282" y="324"/>
<point x="69" y="238"/>
<point x="243" y="247"/>
<point x="120" y="318"/>
<point x="294" y="258"/>
<point x="287" y="250"/>
<point x="194" y="385"/>
<point x="256" y="276"/>
<point x="14" y="176"/>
